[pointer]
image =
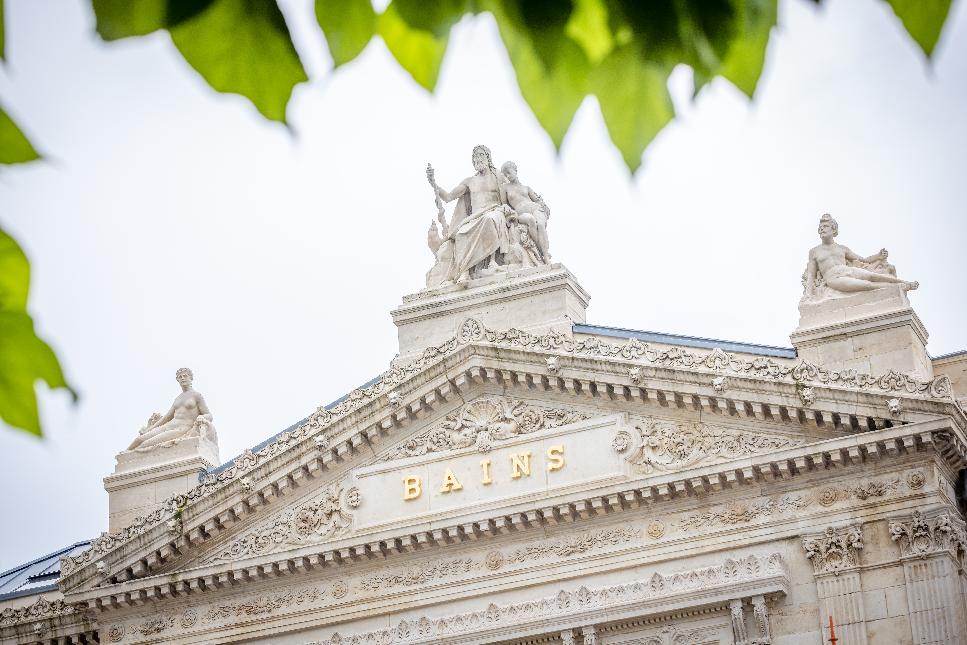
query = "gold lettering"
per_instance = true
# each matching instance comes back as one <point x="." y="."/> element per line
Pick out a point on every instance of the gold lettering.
<point x="520" y="464"/>
<point x="485" y="467"/>
<point x="555" y="458"/>
<point x="412" y="487"/>
<point x="450" y="482"/>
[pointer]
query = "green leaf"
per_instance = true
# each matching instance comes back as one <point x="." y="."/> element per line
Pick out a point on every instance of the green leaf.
<point x="436" y="17"/>
<point x="14" y="146"/>
<point x="14" y="275"/>
<point x="24" y="358"/>
<point x="747" y="55"/>
<point x="554" y="92"/>
<point x="243" y="47"/>
<point x="348" y="26"/>
<point x="588" y="27"/>
<point x="923" y="20"/>
<point x="634" y="101"/>
<point x="125" y="18"/>
<point x="417" y="51"/>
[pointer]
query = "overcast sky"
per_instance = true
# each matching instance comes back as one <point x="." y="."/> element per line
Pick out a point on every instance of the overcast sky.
<point x="172" y="226"/>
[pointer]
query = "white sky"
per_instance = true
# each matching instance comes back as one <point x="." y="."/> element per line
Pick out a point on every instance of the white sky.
<point x="173" y="226"/>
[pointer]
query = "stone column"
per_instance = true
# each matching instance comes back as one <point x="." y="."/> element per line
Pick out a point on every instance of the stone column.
<point x="931" y="549"/>
<point x="834" y="554"/>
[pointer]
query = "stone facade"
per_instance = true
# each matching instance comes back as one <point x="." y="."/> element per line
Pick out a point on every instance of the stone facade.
<point x="512" y="478"/>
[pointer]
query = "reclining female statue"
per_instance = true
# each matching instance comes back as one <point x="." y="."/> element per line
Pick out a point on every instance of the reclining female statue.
<point x="189" y="416"/>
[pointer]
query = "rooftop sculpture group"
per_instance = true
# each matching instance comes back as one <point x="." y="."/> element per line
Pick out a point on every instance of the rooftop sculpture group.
<point x="498" y="224"/>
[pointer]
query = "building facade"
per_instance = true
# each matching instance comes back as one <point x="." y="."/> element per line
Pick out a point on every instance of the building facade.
<point x="520" y="476"/>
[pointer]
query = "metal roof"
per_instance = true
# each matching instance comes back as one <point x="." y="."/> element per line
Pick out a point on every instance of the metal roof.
<point x="687" y="341"/>
<point x="37" y="575"/>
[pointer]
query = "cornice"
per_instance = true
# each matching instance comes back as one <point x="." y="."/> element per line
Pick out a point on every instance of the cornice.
<point x="780" y="466"/>
<point x="759" y="388"/>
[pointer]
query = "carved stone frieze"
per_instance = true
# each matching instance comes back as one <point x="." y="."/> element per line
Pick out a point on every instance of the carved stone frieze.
<point x="919" y="536"/>
<point x="41" y="609"/>
<point x="316" y="522"/>
<point x="435" y="571"/>
<point x="565" y="602"/>
<point x="745" y="512"/>
<point x="862" y="491"/>
<point x="420" y="574"/>
<point x="483" y="423"/>
<point x="664" y="445"/>
<point x="671" y="635"/>
<point x="263" y="604"/>
<point x="834" y="549"/>
<point x="575" y="544"/>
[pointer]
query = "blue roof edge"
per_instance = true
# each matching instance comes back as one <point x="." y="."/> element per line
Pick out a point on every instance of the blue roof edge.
<point x="687" y="341"/>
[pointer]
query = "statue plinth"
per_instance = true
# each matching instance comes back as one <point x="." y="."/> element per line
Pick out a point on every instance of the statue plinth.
<point x="536" y="300"/>
<point x="144" y="478"/>
<point x="871" y="331"/>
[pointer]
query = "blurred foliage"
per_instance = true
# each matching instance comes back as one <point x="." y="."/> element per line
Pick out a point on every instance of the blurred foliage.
<point x="24" y="358"/>
<point x="619" y="51"/>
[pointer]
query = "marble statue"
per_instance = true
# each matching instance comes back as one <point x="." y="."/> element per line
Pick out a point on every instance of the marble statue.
<point x="835" y="271"/>
<point x="529" y="207"/>
<point x="487" y="234"/>
<point x="189" y="416"/>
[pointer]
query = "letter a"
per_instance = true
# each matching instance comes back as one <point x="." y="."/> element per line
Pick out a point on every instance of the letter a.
<point x="450" y="483"/>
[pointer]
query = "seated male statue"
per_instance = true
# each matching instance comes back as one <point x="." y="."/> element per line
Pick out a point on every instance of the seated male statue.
<point x="530" y="210"/>
<point x="189" y="416"/>
<point x="834" y="270"/>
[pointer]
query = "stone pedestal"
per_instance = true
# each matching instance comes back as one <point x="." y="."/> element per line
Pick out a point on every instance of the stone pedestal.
<point x="143" y="479"/>
<point x="872" y="332"/>
<point x="536" y="300"/>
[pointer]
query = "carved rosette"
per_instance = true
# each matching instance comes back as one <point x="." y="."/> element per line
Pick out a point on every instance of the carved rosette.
<point x="665" y="446"/>
<point x="319" y="521"/>
<point x="834" y="550"/>
<point x="919" y="536"/>
<point x="484" y="423"/>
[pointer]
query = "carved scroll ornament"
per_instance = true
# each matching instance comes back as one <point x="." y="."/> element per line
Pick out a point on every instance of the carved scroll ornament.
<point x="665" y="446"/>
<point x="921" y="537"/>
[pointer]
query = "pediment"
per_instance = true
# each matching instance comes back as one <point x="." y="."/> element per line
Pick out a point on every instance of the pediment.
<point x="491" y="454"/>
<point x="434" y="409"/>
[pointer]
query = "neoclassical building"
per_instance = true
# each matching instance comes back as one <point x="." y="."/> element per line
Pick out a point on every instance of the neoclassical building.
<point x="520" y="476"/>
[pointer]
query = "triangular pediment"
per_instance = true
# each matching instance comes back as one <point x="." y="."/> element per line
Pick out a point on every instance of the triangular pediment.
<point x="622" y="412"/>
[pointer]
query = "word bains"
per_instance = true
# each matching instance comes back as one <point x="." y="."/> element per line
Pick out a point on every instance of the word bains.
<point x="519" y="463"/>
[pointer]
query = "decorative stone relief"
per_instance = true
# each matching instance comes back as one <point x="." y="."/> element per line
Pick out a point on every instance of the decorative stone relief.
<point x="916" y="479"/>
<point x="672" y="635"/>
<point x="41" y="609"/>
<point x="590" y="635"/>
<point x="806" y="394"/>
<point x="423" y="573"/>
<point x="660" y="445"/>
<point x="483" y="423"/>
<point x="115" y="633"/>
<point x="154" y="625"/>
<point x="313" y="523"/>
<point x="719" y="384"/>
<point x="861" y="491"/>
<point x="833" y="550"/>
<point x="894" y="406"/>
<point x="575" y="544"/>
<point x="656" y="529"/>
<point x="761" y="613"/>
<point x="263" y="604"/>
<point x="919" y="536"/>
<point x="745" y="512"/>
<point x="725" y="575"/>
<point x="738" y="621"/>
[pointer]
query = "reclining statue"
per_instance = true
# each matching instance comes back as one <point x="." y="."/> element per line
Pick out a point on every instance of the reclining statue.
<point x="189" y="416"/>
<point x="834" y="270"/>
